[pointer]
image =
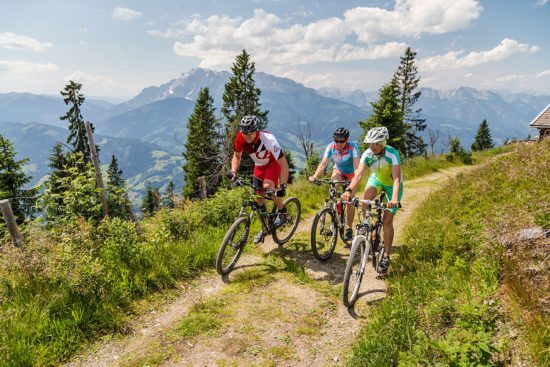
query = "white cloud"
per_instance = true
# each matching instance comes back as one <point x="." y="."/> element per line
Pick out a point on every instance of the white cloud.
<point x="455" y="60"/>
<point x="411" y="18"/>
<point x="24" y="67"/>
<point x="85" y="78"/>
<point x="510" y="78"/>
<point x="543" y="73"/>
<point x="120" y="13"/>
<point x="217" y="39"/>
<point x="15" y="41"/>
<point x="542" y="2"/>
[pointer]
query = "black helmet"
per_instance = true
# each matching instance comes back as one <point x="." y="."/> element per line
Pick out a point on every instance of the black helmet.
<point x="249" y="124"/>
<point x="341" y="133"/>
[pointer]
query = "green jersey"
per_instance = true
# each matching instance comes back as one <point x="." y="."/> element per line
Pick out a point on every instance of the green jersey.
<point x="381" y="167"/>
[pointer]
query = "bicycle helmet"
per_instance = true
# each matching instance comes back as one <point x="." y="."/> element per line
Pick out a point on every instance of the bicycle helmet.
<point x="249" y="124"/>
<point x="377" y="135"/>
<point x="341" y="133"/>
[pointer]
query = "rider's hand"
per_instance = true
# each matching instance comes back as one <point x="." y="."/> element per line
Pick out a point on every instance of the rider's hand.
<point x="312" y="179"/>
<point x="231" y="175"/>
<point x="281" y="192"/>
<point x="391" y="204"/>
<point x="346" y="195"/>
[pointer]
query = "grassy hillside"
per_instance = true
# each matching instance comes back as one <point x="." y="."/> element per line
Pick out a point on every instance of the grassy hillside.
<point x="76" y="280"/>
<point x="465" y="287"/>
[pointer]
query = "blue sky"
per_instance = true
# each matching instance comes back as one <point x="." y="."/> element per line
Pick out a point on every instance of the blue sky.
<point x="117" y="48"/>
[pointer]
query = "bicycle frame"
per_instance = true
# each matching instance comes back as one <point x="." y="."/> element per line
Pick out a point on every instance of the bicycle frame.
<point x="266" y="218"/>
<point x="334" y="197"/>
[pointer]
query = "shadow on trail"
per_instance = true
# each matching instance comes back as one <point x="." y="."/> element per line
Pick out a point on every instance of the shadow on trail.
<point x="299" y="251"/>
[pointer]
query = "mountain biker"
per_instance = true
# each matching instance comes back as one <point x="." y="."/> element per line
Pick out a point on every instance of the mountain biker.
<point x="270" y="165"/>
<point x="385" y="164"/>
<point x="345" y="155"/>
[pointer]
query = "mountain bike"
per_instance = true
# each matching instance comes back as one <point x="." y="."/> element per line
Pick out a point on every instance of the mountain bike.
<point x="236" y="237"/>
<point x="368" y="242"/>
<point x="329" y="222"/>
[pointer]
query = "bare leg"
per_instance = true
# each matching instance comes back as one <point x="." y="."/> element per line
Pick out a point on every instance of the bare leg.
<point x="388" y="232"/>
<point x="268" y="184"/>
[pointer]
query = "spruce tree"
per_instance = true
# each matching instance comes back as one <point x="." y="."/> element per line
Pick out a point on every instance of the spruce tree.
<point x="72" y="189"/>
<point x="241" y="98"/>
<point x="151" y="201"/>
<point x="387" y="112"/>
<point x="202" y="147"/>
<point x="77" y="130"/>
<point x="116" y="190"/>
<point x="291" y="165"/>
<point x="168" y="200"/>
<point x="407" y="80"/>
<point x="12" y="181"/>
<point x="483" y="139"/>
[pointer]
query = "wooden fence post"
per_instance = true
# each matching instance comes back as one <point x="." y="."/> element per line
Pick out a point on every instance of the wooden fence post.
<point x="95" y="161"/>
<point x="9" y="218"/>
<point x="202" y="188"/>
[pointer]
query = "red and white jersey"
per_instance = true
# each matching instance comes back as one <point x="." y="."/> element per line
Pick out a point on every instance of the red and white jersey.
<point x="263" y="150"/>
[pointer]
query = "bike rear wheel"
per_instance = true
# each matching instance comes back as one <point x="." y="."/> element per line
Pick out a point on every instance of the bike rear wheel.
<point x="353" y="274"/>
<point x="282" y="234"/>
<point x="232" y="245"/>
<point x="324" y="233"/>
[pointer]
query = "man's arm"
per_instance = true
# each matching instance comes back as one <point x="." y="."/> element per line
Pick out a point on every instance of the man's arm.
<point x="320" y="168"/>
<point x="353" y="185"/>
<point x="396" y="174"/>
<point x="236" y="161"/>
<point x="284" y="170"/>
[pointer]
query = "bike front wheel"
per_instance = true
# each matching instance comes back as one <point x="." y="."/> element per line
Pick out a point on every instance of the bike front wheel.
<point x="232" y="245"/>
<point x="283" y="233"/>
<point x="353" y="275"/>
<point x="343" y="221"/>
<point x="324" y="233"/>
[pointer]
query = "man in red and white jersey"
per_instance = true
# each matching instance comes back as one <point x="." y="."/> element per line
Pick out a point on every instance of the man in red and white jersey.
<point x="270" y="165"/>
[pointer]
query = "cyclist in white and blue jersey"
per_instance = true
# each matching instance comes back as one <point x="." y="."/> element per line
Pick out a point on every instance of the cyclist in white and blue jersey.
<point x="385" y="165"/>
<point x="345" y="155"/>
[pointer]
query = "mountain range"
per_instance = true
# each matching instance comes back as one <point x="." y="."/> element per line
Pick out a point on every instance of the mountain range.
<point x="147" y="132"/>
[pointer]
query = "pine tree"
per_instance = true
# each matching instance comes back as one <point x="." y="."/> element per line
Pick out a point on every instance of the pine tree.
<point x="483" y="139"/>
<point x="241" y="98"/>
<point x="168" y="200"/>
<point x="291" y="165"/>
<point x="12" y="181"/>
<point x="72" y="189"/>
<point x="77" y="130"/>
<point x="202" y="147"/>
<point x="407" y="80"/>
<point x="116" y="190"/>
<point x="151" y="201"/>
<point x="387" y="112"/>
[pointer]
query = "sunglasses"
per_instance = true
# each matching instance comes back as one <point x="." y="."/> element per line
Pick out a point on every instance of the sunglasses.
<point x="374" y="144"/>
<point x="340" y="141"/>
<point x="248" y="133"/>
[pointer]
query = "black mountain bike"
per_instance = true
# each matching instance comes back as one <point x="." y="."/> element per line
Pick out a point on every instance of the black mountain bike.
<point x="235" y="239"/>
<point x="368" y="242"/>
<point x="328" y="222"/>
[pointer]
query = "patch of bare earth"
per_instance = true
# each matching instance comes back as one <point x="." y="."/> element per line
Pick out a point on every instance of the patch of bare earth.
<point x="267" y="314"/>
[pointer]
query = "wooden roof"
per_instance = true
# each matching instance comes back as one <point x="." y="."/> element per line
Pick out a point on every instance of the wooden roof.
<point x="542" y="120"/>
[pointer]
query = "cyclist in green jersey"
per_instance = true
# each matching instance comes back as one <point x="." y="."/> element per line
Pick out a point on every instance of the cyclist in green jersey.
<point x="385" y="165"/>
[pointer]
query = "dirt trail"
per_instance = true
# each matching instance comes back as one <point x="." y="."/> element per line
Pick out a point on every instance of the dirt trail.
<point x="264" y="313"/>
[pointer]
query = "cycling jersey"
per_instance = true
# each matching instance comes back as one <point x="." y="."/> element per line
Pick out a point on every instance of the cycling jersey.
<point x="343" y="160"/>
<point x="381" y="167"/>
<point x="263" y="150"/>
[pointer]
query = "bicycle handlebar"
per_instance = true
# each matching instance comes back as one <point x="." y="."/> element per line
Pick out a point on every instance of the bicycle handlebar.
<point x="332" y="182"/>
<point x="377" y="204"/>
<point x="240" y="182"/>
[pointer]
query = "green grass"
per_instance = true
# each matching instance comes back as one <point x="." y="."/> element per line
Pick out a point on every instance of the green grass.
<point x="444" y="306"/>
<point x="77" y="281"/>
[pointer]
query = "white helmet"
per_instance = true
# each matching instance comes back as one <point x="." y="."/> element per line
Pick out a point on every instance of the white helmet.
<point x="377" y="135"/>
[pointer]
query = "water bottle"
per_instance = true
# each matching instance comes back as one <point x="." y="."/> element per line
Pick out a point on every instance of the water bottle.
<point x="339" y="208"/>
